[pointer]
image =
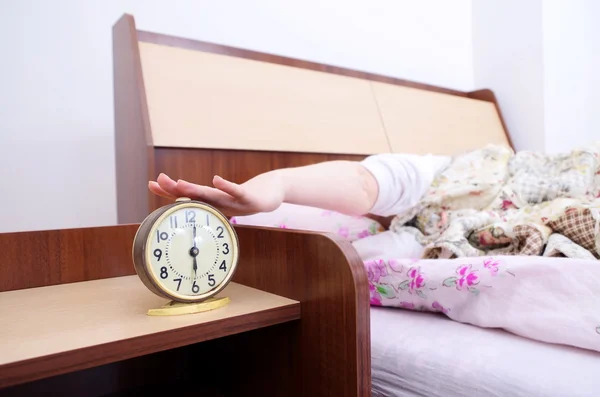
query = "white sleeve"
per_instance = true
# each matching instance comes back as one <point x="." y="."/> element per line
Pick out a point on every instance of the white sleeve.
<point x="403" y="179"/>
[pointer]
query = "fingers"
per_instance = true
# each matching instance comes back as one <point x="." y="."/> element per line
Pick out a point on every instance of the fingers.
<point x="167" y="185"/>
<point x="156" y="189"/>
<point x="233" y="189"/>
<point x="225" y="194"/>
<point x="204" y="193"/>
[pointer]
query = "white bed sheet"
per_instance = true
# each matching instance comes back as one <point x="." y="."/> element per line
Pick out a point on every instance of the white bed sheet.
<point x="430" y="355"/>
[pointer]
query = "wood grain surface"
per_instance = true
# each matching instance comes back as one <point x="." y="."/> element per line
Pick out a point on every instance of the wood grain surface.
<point x="52" y="330"/>
<point x="51" y="257"/>
<point x="134" y="150"/>
<point x="325" y="353"/>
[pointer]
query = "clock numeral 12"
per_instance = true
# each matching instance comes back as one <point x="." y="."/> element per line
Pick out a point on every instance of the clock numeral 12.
<point x="190" y="216"/>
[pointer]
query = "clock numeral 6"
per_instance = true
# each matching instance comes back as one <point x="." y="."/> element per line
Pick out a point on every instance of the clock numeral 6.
<point x="211" y="280"/>
<point x="226" y="251"/>
<point x="158" y="254"/>
<point x="163" y="272"/>
<point x="195" y="288"/>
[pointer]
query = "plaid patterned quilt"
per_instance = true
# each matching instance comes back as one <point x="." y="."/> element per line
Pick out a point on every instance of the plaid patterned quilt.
<point x="495" y="202"/>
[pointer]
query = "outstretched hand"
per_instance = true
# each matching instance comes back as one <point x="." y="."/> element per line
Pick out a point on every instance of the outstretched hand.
<point x="264" y="193"/>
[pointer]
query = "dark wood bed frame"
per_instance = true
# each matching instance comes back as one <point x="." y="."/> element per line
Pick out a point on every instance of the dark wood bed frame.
<point x="324" y="353"/>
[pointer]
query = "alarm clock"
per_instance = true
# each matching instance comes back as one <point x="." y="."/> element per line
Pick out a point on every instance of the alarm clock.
<point x="186" y="251"/>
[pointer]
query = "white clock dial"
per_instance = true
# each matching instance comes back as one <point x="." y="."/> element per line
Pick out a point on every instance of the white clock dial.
<point x="191" y="251"/>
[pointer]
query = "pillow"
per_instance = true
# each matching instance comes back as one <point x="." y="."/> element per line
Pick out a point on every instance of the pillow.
<point x="299" y="217"/>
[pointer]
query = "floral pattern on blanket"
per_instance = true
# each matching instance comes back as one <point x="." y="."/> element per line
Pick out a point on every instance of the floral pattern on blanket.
<point x="405" y="284"/>
<point x="494" y="202"/>
<point x="544" y="299"/>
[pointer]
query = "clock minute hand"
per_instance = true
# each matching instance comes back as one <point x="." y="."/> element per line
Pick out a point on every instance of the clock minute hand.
<point x="194" y="253"/>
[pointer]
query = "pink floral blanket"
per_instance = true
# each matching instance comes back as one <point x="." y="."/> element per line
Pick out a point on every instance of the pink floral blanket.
<point x="548" y="299"/>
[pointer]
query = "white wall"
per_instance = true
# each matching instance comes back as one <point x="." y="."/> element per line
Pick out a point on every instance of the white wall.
<point x="542" y="60"/>
<point x="508" y="58"/>
<point x="571" y="73"/>
<point x="56" y="115"/>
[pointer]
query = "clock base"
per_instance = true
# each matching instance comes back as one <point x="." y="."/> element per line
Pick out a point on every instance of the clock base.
<point x="178" y="308"/>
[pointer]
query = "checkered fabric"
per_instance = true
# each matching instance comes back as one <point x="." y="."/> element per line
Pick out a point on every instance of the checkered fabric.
<point x="578" y="225"/>
<point x="529" y="241"/>
<point x="494" y="202"/>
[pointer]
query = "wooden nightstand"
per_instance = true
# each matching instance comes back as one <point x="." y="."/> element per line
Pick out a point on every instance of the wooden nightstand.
<point x="73" y="320"/>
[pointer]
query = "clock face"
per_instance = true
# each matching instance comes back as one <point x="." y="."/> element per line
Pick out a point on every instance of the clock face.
<point x="191" y="251"/>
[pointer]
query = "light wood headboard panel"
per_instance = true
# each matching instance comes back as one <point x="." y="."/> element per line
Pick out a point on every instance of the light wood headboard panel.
<point x="420" y="121"/>
<point x="206" y="100"/>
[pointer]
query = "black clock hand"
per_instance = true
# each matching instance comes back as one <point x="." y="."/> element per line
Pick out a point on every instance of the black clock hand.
<point x="195" y="253"/>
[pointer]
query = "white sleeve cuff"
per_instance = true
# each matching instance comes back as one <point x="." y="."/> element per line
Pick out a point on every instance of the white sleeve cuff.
<point x="403" y="179"/>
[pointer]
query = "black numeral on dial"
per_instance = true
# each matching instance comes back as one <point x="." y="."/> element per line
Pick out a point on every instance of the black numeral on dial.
<point x="223" y="266"/>
<point x="195" y="288"/>
<point x="161" y="236"/>
<point x="158" y="254"/>
<point x="179" y="283"/>
<point x="211" y="280"/>
<point x="220" y="229"/>
<point x="173" y="221"/>
<point x="163" y="272"/>
<point x="226" y="250"/>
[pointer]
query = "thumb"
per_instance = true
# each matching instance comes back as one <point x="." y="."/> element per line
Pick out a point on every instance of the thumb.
<point x="233" y="189"/>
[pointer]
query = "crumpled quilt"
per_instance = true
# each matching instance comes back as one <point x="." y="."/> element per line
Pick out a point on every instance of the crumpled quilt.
<point x="493" y="201"/>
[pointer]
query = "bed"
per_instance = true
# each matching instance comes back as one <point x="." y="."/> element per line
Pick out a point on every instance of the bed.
<point x="193" y="109"/>
<point x="203" y="109"/>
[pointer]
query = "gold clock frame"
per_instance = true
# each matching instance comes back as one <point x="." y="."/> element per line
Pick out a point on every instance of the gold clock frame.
<point x="141" y="256"/>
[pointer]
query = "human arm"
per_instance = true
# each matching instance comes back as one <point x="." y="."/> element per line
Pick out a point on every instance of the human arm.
<point x="341" y="186"/>
<point x="381" y="185"/>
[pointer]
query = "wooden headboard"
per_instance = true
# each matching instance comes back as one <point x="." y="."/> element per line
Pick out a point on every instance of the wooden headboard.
<point x="202" y="109"/>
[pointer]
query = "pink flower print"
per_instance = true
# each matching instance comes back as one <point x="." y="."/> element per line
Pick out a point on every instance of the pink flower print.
<point x="375" y="270"/>
<point x="507" y="204"/>
<point x="375" y="299"/>
<point x="407" y="305"/>
<point x="492" y="266"/>
<point x="282" y="226"/>
<point x="417" y="280"/>
<point x="344" y="231"/>
<point x="437" y="307"/>
<point x="363" y="234"/>
<point x="233" y="221"/>
<point x="467" y="277"/>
